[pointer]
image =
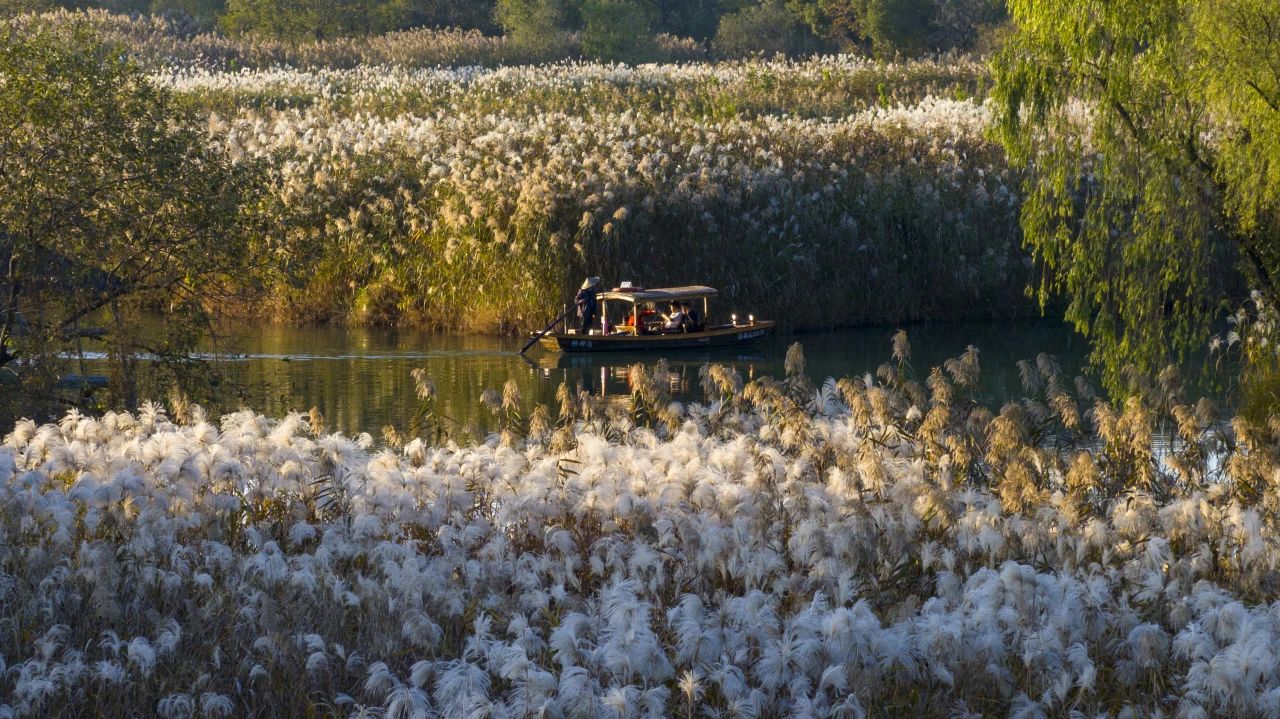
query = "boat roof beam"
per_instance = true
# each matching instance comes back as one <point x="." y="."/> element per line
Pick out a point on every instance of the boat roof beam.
<point x="661" y="294"/>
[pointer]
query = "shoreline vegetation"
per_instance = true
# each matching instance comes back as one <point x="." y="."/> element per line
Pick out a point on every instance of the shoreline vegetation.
<point x="874" y="545"/>
<point x="472" y="199"/>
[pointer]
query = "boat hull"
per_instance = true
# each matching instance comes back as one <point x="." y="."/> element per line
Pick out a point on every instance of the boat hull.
<point x="713" y="337"/>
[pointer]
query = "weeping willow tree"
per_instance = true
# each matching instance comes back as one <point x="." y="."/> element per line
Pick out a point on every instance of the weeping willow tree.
<point x="1151" y="129"/>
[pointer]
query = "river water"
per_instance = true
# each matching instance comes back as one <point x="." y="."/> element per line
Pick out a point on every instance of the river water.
<point x="360" y="379"/>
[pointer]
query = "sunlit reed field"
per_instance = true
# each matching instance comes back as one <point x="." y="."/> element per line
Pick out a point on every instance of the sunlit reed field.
<point x="878" y="545"/>
<point x="825" y="192"/>
<point x="158" y="42"/>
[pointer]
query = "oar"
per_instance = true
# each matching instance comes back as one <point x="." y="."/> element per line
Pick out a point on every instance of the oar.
<point x="544" y="331"/>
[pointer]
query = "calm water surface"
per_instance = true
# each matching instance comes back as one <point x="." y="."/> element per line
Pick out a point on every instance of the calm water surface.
<point x="360" y="378"/>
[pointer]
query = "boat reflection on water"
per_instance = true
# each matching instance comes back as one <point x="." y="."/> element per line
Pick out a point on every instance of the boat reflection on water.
<point x="608" y="374"/>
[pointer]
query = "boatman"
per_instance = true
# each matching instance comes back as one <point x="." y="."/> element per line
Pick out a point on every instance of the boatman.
<point x="587" y="307"/>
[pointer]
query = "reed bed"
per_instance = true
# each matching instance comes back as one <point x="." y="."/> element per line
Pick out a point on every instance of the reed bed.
<point x="875" y="545"/>
<point x="475" y="200"/>
<point x="405" y="187"/>
<point x="158" y="42"/>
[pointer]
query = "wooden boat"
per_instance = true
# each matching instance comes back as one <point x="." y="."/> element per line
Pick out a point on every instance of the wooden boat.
<point x="638" y="335"/>
<point x="744" y="358"/>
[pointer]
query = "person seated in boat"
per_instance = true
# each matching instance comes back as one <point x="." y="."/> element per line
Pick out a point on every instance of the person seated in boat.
<point x="648" y="318"/>
<point x="694" y="322"/>
<point x="587" y="305"/>
<point x="677" y="321"/>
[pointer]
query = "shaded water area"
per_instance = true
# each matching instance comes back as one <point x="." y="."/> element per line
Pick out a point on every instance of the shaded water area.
<point x="360" y="379"/>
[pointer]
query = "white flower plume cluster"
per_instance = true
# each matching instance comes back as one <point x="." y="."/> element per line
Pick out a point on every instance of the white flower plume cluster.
<point x="848" y="82"/>
<point x="871" y="547"/>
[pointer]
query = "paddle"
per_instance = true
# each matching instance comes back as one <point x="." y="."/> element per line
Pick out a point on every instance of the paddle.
<point x="545" y="330"/>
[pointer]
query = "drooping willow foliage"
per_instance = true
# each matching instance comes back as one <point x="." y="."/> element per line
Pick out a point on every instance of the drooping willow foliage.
<point x="1150" y="132"/>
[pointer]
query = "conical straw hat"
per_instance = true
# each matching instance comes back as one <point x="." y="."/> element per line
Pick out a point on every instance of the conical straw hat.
<point x="590" y="282"/>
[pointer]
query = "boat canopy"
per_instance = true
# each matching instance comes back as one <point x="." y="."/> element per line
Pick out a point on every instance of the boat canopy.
<point x="660" y="294"/>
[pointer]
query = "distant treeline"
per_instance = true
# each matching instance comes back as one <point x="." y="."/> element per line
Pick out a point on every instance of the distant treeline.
<point x="602" y="29"/>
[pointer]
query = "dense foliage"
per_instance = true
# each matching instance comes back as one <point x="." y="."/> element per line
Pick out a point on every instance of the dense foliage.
<point x="285" y="19"/>
<point x="876" y="546"/>
<point x="902" y="26"/>
<point x="313" y="19"/>
<point x="888" y="26"/>
<point x="1153" y="132"/>
<point x="108" y="206"/>
<point x="769" y="28"/>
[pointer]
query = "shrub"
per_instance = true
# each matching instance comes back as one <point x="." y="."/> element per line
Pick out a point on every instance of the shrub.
<point x="18" y="7"/>
<point x="536" y="25"/>
<point x="966" y="24"/>
<point x="615" y="30"/>
<point x="898" y="26"/>
<point x="189" y="17"/>
<point x="312" y="19"/>
<point x="769" y="28"/>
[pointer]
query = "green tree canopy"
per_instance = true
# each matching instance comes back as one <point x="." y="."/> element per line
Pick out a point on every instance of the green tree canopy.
<point x="109" y="206"/>
<point x="898" y="25"/>
<point x="887" y="26"/>
<point x="909" y="27"/>
<point x="837" y="21"/>
<point x="190" y="17"/>
<point x="1149" y="129"/>
<point x="17" y="7"/>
